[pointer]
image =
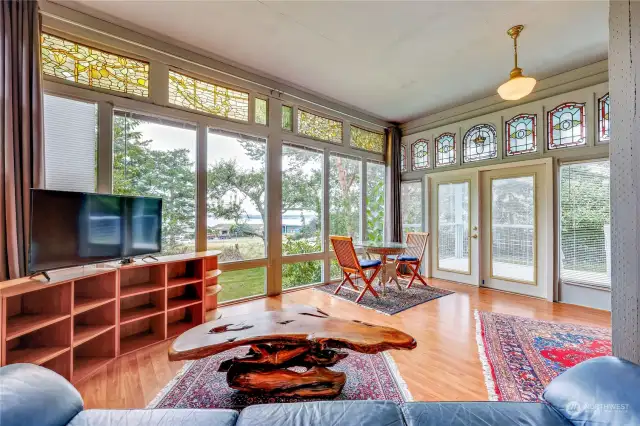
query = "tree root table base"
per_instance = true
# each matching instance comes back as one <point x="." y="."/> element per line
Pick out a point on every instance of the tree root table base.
<point x="300" y="336"/>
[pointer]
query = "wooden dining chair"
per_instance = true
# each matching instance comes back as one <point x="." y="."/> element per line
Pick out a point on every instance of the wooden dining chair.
<point x="351" y="265"/>
<point x="412" y="257"/>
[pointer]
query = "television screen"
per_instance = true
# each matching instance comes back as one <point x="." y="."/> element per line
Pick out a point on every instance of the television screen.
<point x="76" y="228"/>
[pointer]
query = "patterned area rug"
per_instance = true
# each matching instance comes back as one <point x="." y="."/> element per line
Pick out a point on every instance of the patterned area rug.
<point x="394" y="301"/>
<point x="520" y="356"/>
<point x="200" y="385"/>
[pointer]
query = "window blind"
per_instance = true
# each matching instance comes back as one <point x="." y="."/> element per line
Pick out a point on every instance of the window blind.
<point x="585" y="230"/>
<point x="70" y="142"/>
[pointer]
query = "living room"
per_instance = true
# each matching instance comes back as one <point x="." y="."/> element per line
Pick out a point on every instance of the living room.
<point x="265" y="212"/>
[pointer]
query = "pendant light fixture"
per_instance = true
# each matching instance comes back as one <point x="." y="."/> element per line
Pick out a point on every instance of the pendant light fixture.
<point x="518" y="85"/>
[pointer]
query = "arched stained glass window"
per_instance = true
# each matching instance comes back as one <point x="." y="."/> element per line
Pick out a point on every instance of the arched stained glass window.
<point x="520" y="134"/>
<point x="603" y="118"/>
<point x="480" y="143"/>
<point x="566" y="124"/>
<point x="445" y="149"/>
<point x="420" y="154"/>
<point x="403" y="158"/>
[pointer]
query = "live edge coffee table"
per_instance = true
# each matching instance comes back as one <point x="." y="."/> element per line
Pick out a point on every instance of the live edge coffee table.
<point x="299" y="336"/>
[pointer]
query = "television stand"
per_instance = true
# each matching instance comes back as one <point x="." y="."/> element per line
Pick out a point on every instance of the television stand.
<point x="43" y="273"/>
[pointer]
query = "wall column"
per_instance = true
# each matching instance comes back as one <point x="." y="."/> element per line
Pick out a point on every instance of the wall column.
<point x="624" y="77"/>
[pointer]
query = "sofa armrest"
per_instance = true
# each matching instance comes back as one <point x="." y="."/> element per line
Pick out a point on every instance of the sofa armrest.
<point x="31" y="395"/>
<point x="599" y="391"/>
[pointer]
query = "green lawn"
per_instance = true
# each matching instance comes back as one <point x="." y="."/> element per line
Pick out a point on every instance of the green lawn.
<point x="244" y="283"/>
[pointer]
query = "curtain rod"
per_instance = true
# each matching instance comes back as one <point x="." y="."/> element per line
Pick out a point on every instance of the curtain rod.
<point x="271" y="89"/>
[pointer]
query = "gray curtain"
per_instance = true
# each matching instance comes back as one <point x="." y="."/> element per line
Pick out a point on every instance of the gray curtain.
<point x="22" y="155"/>
<point x="393" y="221"/>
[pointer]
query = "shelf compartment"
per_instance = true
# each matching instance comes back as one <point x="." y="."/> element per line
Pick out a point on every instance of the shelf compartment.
<point x="178" y="282"/>
<point x="212" y="290"/>
<point x="183" y="296"/>
<point x="178" y="303"/>
<point x="84" y="304"/>
<point x="21" y="324"/>
<point x="139" y="334"/>
<point x="213" y="274"/>
<point x="139" y="312"/>
<point x="40" y="346"/>
<point x="181" y="320"/>
<point x="144" y="279"/>
<point x="29" y="312"/>
<point x="93" y="354"/>
<point x="84" y="333"/>
<point x="135" y="290"/>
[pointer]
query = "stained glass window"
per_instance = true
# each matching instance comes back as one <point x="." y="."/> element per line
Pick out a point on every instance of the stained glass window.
<point x="403" y="158"/>
<point x="317" y="127"/>
<point x="261" y="111"/>
<point x="191" y="93"/>
<point x="93" y="67"/>
<point x="445" y="149"/>
<point x="420" y="154"/>
<point x="566" y="124"/>
<point x="603" y="118"/>
<point x="364" y="139"/>
<point x="480" y="143"/>
<point x="520" y="134"/>
<point x="287" y="118"/>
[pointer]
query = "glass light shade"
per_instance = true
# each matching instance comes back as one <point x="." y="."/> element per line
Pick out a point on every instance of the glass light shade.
<point x="516" y="88"/>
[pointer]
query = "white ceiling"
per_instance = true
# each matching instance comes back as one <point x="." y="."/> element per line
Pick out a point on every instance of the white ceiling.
<point x="395" y="59"/>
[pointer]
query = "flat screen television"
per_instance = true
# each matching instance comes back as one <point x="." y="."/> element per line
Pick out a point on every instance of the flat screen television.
<point x="79" y="228"/>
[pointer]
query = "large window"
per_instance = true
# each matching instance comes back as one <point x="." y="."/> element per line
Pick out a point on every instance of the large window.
<point x="242" y="283"/>
<point x="236" y="210"/>
<point x="345" y="215"/>
<point x="156" y="157"/>
<point x="93" y="67"/>
<point x="301" y="273"/>
<point x="585" y="225"/>
<point x="70" y="142"/>
<point x="301" y="200"/>
<point x="375" y="201"/>
<point x="411" y="207"/>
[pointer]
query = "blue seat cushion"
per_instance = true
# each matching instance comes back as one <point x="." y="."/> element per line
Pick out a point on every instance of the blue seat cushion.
<point x="174" y="417"/>
<point x="325" y="413"/>
<point x="481" y="414"/>
<point x="403" y="257"/>
<point x="369" y="263"/>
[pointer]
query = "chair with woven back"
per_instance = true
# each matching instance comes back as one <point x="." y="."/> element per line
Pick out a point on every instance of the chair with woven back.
<point x="413" y="255"/>
<point x="351" y="265"/>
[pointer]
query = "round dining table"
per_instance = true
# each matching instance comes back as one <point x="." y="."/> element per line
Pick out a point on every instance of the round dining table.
<point x="384" y="249"/>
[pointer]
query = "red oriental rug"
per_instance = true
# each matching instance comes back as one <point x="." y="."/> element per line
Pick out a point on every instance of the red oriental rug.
<point x="200" y="385"/>
<point x="520" y="356"/>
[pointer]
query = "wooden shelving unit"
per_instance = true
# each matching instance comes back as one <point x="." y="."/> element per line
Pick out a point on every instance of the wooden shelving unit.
<point x="87" y="317"/>
<point x="211" y="289"/>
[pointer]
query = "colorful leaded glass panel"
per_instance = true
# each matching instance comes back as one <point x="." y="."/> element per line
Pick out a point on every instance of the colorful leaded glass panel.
<point x="318" y="127"/>
<point x="567" y="125"/>
<point x="192" y="93"/>
<point x="287" y="118"/>
<point x="420" y="154"/>
<point x="480" y="143"/>
<point x="261" y="111"/>
<point x="445" y="149"/>
<point x="603" y="118"/>
<point x="520" y="134"/>
<point x="403" y="158"/>
<point x="365" y="139"/>
<point x="93" y="67"/>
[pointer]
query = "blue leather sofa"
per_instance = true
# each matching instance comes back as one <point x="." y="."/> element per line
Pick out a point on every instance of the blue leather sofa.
<point x="599" y="392"/>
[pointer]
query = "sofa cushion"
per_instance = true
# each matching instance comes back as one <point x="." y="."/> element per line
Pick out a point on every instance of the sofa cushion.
<point x="480" y="414"/>
<point x="31" y="395"/>
<point x="329" y="413"/>
<point x="598" y="391"/>
<point x="173" y="417"/>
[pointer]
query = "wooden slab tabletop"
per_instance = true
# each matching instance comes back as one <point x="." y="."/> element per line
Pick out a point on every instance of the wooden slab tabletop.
<point x="296" y="325"/>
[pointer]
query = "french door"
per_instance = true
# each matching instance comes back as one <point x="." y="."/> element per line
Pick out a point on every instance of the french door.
<point x="514" y="226"/>
<point x="454" y="226"/>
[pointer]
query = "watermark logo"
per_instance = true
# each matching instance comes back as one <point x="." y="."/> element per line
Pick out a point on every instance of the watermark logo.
<point x="574" y="407"/>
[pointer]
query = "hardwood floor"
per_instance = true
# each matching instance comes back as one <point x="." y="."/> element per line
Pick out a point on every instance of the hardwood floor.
<point x="444" y="367"/>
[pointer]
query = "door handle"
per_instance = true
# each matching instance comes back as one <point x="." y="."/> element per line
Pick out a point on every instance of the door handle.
<point x="474" y="236"/>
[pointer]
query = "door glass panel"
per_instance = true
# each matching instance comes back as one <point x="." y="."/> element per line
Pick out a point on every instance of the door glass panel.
<point x="513" y="228"/>
<point x="453" y="227"/>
